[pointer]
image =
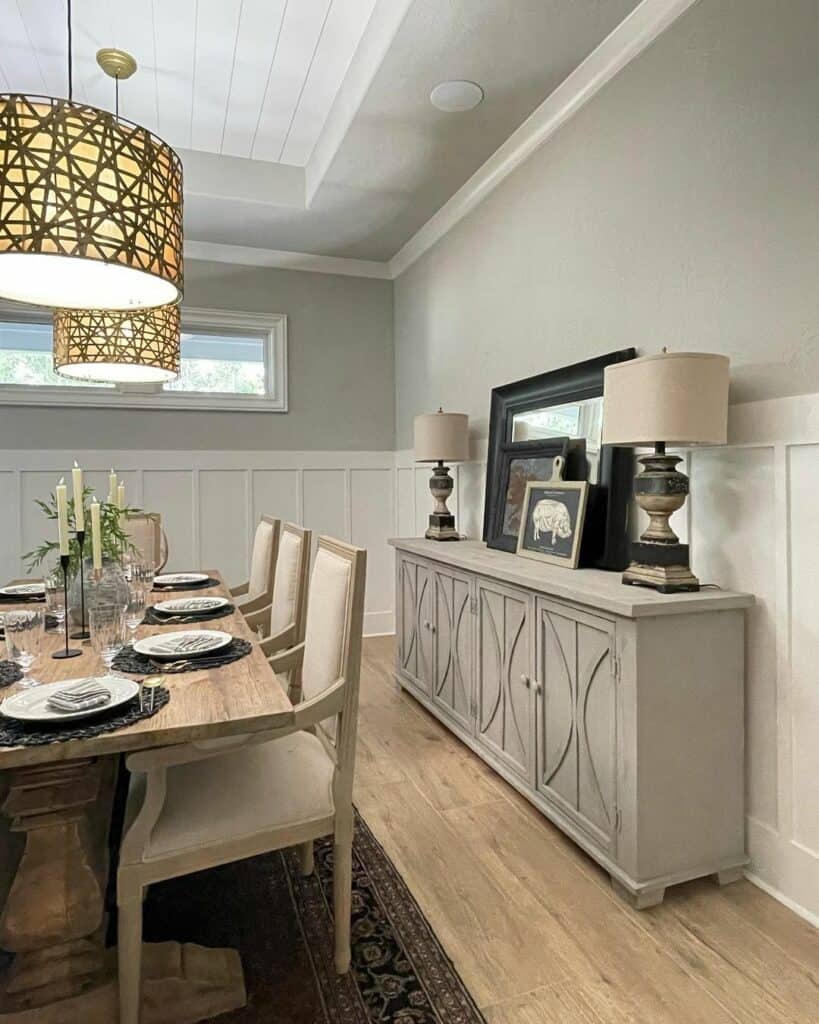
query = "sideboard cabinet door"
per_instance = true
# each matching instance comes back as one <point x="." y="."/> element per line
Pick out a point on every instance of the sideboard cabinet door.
<point x="415" y="621"/>
<point x="504" y="694"/>
<point x="576" y="715"/>
<point x="452" y="645"/>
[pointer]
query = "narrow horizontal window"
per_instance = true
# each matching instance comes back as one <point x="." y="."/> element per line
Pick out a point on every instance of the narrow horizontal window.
<point x="228" y="361"/>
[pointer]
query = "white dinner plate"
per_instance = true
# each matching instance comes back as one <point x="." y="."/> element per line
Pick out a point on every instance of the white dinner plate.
<point x="32" y="705"/>
<point x="175" y="579"/>
<point x="173" y="646"/>
<point x="181" y="605"/>
<point x="24" y="590"/>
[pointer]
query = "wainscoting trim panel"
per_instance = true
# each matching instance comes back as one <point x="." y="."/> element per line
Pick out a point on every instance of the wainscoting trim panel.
<point x="189" y="534"/>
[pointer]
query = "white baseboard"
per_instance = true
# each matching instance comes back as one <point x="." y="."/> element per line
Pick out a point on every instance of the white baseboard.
<point x="797" y="908"/>
<point x="379" y="623"/>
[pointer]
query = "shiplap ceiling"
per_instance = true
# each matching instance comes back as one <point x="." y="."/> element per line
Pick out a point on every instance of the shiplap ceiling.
<point x="304" y="126"/>
<point x="243" y="78"/>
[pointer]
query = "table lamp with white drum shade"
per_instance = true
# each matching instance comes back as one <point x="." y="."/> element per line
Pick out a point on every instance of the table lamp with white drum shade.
<point x="441" y="437"/>
<point x="672" y="398"/>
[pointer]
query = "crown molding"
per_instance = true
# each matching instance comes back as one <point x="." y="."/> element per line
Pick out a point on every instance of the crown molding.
<point x="633" y="35"/>
<point x="282" y="260"/>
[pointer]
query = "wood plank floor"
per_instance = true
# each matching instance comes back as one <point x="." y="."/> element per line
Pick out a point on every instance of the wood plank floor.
<point x="530" y="921"/>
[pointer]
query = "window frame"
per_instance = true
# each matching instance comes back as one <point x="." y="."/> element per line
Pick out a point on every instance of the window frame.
<point x="151" y="396"/>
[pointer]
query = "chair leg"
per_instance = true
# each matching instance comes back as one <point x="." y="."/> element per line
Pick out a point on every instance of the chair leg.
<point x="342" y="901"/>
<point x="129" y="955"/>
<point x="306" y="858"/>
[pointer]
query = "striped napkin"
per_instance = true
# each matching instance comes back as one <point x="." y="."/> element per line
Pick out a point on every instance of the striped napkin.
<point x="81" y="696"/>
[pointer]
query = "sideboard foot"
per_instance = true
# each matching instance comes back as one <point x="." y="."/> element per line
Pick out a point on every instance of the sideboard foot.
<point x="641" y="900"/>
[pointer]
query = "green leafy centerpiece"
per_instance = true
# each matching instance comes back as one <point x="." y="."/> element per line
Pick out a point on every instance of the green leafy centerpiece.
<point x="115" y="542"/>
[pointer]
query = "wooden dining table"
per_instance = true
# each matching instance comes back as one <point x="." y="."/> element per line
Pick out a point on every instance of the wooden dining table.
<point x="58" y="800"/>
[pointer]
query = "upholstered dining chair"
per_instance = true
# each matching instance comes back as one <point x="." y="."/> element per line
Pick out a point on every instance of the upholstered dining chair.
<point x="144" y="530"/>
<point x="194" y="806"/>
<point x="281" y="624"/>
<point x="257" y="590"/>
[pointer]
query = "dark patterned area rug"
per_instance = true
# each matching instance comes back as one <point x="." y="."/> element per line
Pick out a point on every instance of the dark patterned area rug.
<point x="282" y="924"/>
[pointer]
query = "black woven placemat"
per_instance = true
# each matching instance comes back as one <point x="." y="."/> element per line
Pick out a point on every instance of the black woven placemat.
<point x="155" y="618"/>
<point x="21" y="599"/>
<point x="29" y="734"/>
<point x="9" y="673"/>
<point x="182" y="587"/>
<point x="138" y="664"/>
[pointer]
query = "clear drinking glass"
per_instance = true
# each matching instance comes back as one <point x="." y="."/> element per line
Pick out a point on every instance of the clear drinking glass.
<point x="24" y="631"/>
<point x="55" y="597"/>
<point x="142" y="574"/>
<point x="135" y="609"/>
<point x="107" y="627"/>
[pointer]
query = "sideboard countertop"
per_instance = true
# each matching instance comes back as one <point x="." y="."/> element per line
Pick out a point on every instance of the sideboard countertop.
<point x="594" y="588"/>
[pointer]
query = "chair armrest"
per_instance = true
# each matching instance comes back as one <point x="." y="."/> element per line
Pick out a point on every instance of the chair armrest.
<point x="254" y="604"/>
<point x="287" y="661"/>
<point x="239" y="589"/>
<point x="259" y="620"/>
<point x="280" y="641"/>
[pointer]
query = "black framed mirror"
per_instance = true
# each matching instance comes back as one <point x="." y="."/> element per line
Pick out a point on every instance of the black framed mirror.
<point x="563" y="404"/>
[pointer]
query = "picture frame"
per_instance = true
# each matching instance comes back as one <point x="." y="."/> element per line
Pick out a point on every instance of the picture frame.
<point x="609" y="470"/>
<point x="517" y="465"/>
<point x="552" y="521"/>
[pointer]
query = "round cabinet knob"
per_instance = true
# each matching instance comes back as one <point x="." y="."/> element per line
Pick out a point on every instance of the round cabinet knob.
<point x="538" y="687"/>
<point x="426" y="624"/>
<point x="527" y="682"/>
<point x="432" y="628"/>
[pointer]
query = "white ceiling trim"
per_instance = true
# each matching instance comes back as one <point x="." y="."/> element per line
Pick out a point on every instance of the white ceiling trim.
<point x="633" y="35"/>
<point x="381" y="29"/>
<point x="240" y="180"/>
<point x="249" y="257"/>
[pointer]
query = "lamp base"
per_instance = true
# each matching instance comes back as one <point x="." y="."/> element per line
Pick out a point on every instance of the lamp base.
<point x="442" y="527"/>
<point x="441" y="521"/>
<point x="658" y="560"/>
<point x="663" y="567"/>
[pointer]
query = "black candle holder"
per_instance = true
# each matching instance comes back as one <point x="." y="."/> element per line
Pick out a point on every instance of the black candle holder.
<point x="83" y="633"/>
<point x="69" y="652"/>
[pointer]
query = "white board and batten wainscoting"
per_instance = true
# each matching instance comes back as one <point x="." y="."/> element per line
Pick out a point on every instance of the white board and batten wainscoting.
<point x="751" y="527"/>
<point x="211" y="501"/>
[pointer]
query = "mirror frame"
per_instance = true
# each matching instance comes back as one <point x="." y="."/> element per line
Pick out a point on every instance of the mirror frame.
<point x="605" y="535"/>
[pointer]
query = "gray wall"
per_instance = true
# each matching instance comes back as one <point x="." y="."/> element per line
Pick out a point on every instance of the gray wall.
<point x="679" y="208"/>
<point x="341" y="378"/>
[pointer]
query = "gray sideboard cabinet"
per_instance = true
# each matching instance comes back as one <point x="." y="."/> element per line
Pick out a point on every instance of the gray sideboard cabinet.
<point x="615" y="710"/>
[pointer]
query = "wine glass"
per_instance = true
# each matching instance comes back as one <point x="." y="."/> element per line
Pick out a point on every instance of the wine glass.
<point x="55" y="597"/>
<point x="24" y="630"/>
<point x="135" y="609"/>
<point x="107" y="625"/>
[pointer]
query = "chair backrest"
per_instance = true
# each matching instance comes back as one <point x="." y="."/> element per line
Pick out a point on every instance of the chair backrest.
<point x="289" y="603"/>
<point x="263" y="557"/>
<point x="144" y="530"/>
<point x="333" y="635"/>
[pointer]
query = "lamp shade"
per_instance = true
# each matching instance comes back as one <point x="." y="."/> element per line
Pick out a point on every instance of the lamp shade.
<point x="90" y="208"/>
<point x="680" y="398"/>
<point x="442" y="437"/>
<point x="117" y="346"/>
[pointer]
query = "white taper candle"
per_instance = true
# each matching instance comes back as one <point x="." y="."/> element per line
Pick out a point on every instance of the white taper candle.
<point x="79" y="509"/>
<point x="62" y="516"/>
<point x="96" y="534"/>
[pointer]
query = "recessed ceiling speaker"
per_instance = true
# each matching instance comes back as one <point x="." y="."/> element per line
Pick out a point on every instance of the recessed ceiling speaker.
<point x="456" y="97"/>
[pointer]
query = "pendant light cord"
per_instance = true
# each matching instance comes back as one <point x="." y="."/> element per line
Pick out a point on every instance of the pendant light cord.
<point x="70" y="69"/>
<point x="116" y="97"/>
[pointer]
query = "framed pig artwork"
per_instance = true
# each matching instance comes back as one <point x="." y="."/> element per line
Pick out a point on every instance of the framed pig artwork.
<point x="551" y="524"/>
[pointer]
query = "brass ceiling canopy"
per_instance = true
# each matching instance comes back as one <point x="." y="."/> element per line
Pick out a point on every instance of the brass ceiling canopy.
<point x="90" y="204"/>
<point x="117" y="346"/>
<point x="116" y="63"/>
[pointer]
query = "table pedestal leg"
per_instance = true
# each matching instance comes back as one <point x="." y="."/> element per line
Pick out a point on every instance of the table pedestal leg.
<point x="54" y="917"/>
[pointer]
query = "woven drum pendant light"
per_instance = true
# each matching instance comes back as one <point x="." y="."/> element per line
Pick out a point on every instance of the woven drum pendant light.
<point x="90" y="206"/>
<point x="117" y="346"/>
